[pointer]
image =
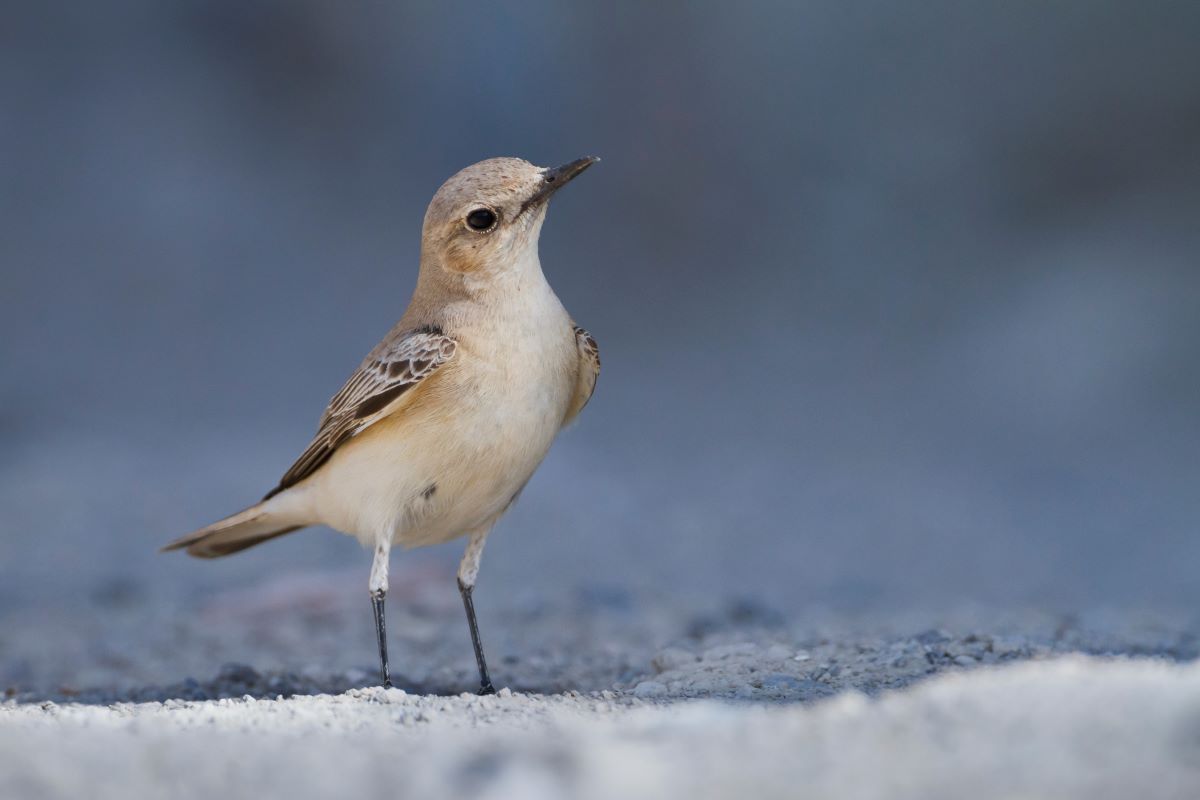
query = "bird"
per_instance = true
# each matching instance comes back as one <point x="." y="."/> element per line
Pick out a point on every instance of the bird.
<point x="437" y="432"/>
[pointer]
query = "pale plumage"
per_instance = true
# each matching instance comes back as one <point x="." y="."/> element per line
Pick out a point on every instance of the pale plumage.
<point x="441" y="426"/>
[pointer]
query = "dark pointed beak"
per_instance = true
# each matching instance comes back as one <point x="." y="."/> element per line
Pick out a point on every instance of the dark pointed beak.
<point x="555" y="178"/>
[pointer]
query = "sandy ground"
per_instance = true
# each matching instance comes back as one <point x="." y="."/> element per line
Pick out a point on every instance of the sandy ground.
<point x="1069" y="727"/>
<point x="311" y="631"/>
<point x="267" y="690"/>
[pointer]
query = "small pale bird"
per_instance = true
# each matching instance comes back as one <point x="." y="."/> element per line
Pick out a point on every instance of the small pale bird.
<point x="438" y="430"/>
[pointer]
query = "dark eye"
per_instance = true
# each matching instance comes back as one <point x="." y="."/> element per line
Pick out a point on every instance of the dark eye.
<point x="481" y="219"/>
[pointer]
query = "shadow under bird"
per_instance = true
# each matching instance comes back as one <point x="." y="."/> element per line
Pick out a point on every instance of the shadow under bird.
<point x="441" y="426"/>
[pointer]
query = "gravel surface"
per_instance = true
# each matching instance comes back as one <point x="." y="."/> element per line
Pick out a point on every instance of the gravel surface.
<point x="311" y="632"/>
<point x="268" y="688"/>
<point x="1069" y="727"/>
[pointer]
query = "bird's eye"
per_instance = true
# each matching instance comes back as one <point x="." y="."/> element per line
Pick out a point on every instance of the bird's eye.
<point x="481" y="219"/>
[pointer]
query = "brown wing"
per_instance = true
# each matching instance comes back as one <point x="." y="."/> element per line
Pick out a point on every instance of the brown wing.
<point x="394" y="367"/>
<point x="589" y="371"/>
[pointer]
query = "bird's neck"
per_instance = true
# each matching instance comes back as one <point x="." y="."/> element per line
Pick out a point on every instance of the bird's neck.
<point x="514" y="294"/>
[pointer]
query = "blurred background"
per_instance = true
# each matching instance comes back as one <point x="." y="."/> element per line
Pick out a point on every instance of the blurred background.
<point x="899" y="304"/>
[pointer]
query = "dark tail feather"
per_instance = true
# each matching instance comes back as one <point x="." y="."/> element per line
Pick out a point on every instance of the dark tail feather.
<point x="244" y="529"/>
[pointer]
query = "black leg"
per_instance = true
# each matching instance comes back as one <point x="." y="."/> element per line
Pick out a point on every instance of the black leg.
<point x="485" y="682"/>
<point x="381" y="631"/>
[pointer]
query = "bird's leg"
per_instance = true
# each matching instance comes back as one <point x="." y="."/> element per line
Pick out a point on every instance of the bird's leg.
<point x="378" y="587"/>
<point x="468" y="570"/>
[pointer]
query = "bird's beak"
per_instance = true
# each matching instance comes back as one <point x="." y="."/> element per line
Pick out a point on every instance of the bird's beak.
<point x="554" y="178"/>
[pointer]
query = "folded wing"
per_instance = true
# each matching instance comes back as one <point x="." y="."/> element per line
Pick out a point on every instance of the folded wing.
<point x="589" y="372"/>
<point x="375" y="391"/>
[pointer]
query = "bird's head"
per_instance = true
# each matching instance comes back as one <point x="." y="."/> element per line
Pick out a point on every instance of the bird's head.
<point x="487" y="218"/>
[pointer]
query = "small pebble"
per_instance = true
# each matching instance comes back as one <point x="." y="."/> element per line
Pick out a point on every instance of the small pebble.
<point x="932" y="636"/>
<point x="648" y="689"/>
<point x="778" y="681"/>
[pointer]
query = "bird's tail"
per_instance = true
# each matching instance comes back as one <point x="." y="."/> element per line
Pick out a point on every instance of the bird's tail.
<point x="255" y="525"/>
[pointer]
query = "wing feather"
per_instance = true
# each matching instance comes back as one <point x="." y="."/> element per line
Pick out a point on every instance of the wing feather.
<point x="398" y="364"/>
<point x="589" y="372"/>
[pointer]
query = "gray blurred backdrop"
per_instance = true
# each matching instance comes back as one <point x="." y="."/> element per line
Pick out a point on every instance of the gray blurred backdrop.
<point x="898" y="303"/>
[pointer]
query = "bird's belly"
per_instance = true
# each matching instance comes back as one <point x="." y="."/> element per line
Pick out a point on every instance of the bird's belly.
<point x="438" y="472"/>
